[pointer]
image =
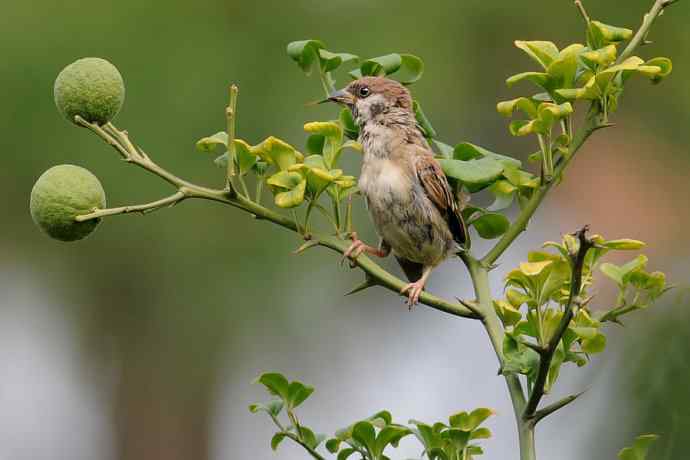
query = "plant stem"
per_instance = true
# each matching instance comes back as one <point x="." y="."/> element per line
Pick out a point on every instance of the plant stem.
<point x="520" y="224"/>
<point x="142" y="208"/>
<point x="643" y="31"/>
<point x="231" y="116"/>
<point x="545" y="358"/>
<point x="480" y="281"/>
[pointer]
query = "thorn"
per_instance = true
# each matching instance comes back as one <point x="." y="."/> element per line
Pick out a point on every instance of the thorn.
<point x="548" y="410"/>
<point x="471" y="306"/>
<point x="368" y="282"/>
<point x="309" y="244"/>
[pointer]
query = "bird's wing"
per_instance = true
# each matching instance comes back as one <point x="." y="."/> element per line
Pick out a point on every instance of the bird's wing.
<point x="438" y="190"/>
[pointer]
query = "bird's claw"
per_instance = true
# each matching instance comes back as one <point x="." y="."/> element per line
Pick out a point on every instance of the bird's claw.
<point x="354" y="251"/>
<point x="414" y="291"/>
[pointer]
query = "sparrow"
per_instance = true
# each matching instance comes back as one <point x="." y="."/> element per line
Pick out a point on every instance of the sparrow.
<point x="406" y="192"/>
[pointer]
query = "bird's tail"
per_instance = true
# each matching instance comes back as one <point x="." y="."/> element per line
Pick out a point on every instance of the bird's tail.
<point x="413" y="270"/>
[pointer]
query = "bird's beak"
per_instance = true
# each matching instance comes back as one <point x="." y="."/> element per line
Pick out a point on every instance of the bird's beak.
<point x="340" y="97"/>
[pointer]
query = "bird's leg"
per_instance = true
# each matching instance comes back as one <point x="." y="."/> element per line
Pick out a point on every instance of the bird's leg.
<point x="358" y="247"/>
<point x="414" y="290"/>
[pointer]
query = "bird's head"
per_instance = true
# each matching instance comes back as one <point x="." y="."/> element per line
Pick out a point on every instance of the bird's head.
<point x="372" y="97"/>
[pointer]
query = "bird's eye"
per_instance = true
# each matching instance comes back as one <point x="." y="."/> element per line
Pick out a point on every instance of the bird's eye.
<point x="363" y="91"/>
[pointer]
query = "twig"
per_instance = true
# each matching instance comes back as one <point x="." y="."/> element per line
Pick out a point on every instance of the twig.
<point x="583" y="11"/>
<point x="546" y="357"/>
<point x="550" y="409"/>
<point x="231" y="115"/>
<point x="142" y="208"/>
<point x="642" y="33"/>
<point x="520" y="223"/>
<point x="296" y="439"/>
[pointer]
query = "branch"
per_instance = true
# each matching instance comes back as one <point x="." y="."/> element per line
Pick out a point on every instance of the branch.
<point x="550" y="409"/>
<point x="296" y="439"/>
<point x="231" y="114"/>
<point x="578" y="261"/>
<point x="169" y="201"/>
<point x="520" y="224"/>
<point x="641" y="35"/>
<point x="119" y="140"/>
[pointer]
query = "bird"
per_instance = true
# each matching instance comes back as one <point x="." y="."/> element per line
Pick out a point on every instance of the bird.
<point x="407" y="194"/>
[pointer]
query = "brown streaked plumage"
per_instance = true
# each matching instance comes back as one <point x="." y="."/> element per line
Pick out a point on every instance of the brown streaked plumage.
<point x="408" y="196"/>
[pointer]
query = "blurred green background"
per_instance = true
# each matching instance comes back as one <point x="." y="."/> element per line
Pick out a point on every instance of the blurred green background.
<point x="141" y="341"/>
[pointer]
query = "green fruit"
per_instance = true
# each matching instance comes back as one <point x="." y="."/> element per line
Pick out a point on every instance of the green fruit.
<point x="91" y="88"/>
<point x="62" y="193"/>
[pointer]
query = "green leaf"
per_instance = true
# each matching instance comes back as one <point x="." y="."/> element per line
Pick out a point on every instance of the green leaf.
<point x="481" y="433"/>
<point x="363" y="432"/>
<point x="466" y="151"/>
<point x="623" y="245"/>
<point x="305" y="53"/>
<point x="491" y="225"/>
<point x="611" y="34"/>
<point x="477" y="172"/>
<point x="427" y="130"/>
<point x="286" y="180"/>
<point x="527" y="106"/>
<point x="379" y="66"/>
<point x="275" y="383"/>
<point x="245" y="158"/>
<point x="292" y="198"/>
<point x="331" y="61"/>
<point x="209" y="144"/>
<point x="596" y="344"/>
<point x="332" y="445"/>
<point x="348" y="123"/>
<point x="278" y="152"/>
<point x="444" y="149"/>
<point x="333" y="135"/>
<point x="602" y="56"/>
<point x="664" y="64"/>
<point x="276" y="440"/>
<point x="508" y="315"/>
<point x="517" y="298"/>
<point x="620" y="274"/>
<point x="542" y="52"/>
<point x="315" y="144"/>
<point x="504" y="192"/>
<point x="538" y="78"/>
<point x="534" y="268"/>
<point x="639" y="449"/>
<point x="273" y="407"/>
<point x="391" y="434"/>
<point x="298" y="393"/>
<point x="345" y="453"/>
<point x="411" y="69"/>
<point x="564" y="69"/>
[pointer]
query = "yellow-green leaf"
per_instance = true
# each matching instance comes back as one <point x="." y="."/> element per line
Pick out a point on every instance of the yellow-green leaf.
<point x="292" y="198"/>
<point x="534" y="268"/>
<point x="542" y="52"/>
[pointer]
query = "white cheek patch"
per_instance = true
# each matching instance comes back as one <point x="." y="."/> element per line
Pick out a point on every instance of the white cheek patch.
<point x="371" y="106"/>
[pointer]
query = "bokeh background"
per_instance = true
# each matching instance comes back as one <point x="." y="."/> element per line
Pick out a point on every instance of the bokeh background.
<point x="141" y="342"/>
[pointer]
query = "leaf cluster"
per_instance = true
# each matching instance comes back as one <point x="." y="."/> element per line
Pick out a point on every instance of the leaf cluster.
<point x="370" y="438"/>
<point x="537" y="294"/>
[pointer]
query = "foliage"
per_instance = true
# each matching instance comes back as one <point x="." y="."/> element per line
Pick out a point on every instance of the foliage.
<point x="371" y="438"/>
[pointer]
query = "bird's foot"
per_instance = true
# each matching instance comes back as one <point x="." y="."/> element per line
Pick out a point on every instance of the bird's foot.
<point x="357" y="248"/>
<point x="413" y="290"/>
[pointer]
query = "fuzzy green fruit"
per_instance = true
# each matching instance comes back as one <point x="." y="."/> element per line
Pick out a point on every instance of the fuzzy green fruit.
<point x="91" y="88"/>
<point x="62" y="193"/>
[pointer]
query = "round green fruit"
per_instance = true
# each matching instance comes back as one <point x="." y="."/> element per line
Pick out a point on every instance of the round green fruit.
<point x="91" y="88"/>
<point x="62" y="193"/>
